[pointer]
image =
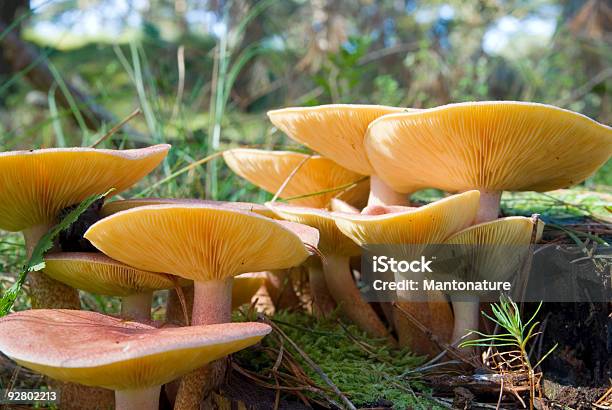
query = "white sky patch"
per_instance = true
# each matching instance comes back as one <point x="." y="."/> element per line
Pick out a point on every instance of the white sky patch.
<point x="513" y="37"/>
<point x="427" y="15"/>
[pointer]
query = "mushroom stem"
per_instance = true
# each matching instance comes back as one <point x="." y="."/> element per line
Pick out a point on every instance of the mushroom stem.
<point x="47" y="293"/>
<point x="382" y="194"/>
<point x="212" y="304"/>
<point x="137" y="307"/>
<point x="141" y="399"/>
<point x="323" y="302"/>
<point x="467" y="310"/>
<point x="343" y="288"/>
<point x="489" y="206"/>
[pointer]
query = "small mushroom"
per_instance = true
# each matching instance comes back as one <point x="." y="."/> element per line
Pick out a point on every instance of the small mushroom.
<point x="204" y="243"/>
<point x="36" y="185"/>
<point x="313" y="180"/>
<point x="415" y="228"/>
<point x="491" y="146"/>
<point x="99" y="274"/>
<point x="337" y="132"/>
<point x="490" y="251"/>
<point x="131" y="358"/>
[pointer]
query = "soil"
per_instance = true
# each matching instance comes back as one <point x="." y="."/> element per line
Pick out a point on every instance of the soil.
<point x="579" y="398"/>
<point x="583" y="357"/>
<point x="71" y="239"/>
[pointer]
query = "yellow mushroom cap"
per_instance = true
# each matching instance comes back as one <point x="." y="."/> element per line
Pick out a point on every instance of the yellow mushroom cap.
<point x="197" y="242"/>
<point x="428" y="224"/>
<point x="336" y="131"/>
<point x="113" y="207"/>
<point x="36" y="185"/>
<point x="97" y="273"/>
<point x="270" y="169"/>
<point x="331" y="240"/>
<point x="98" y="350"/>
<point x="493" y="146"/>
<point x="492" y="250"/>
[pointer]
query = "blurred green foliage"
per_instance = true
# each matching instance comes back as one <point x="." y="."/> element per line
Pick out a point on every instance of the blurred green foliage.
<point x="171" y="57"/>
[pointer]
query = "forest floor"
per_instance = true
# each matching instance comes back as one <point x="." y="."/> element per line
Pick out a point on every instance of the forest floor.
<point x="327" y="363"/>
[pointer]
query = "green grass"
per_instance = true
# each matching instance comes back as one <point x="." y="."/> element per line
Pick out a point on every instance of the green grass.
<point x="366" y="370"/>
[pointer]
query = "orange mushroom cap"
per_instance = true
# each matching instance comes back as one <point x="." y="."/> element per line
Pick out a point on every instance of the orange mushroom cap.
<point x="493" y="146"/>
<point x="36" y="185"/>
<point x="198" y="242"/>
<point x="97" y="273"/>
<point x="336" y="131"/>
<point x="332" y="240"/>
<point x="315" y="179"/>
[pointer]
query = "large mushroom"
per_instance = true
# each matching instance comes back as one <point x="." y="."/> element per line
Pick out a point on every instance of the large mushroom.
<point x="99" y="274"/>
<point x="336" y="249"/>
<point x="278" y="282"/>
<point x="311" y="179"/>
<point x="491" y="251"/>
<point x="409" y="231"/>
<point x="337" y="131"/>
<point x="36" y="185"/>
<point x="204" y="243"/>
<point x="131" y="358"/>
<point x="491" y="146"/>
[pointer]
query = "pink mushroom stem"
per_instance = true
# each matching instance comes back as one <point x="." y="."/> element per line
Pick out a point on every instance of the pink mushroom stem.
<point x="489" y="206"/>
<point x="212" y="304"/>
<point x="467" y="310"/>
<point x="382" y="194"/>
<point x="142" y="399"/>
<point x="323" y="302"/>
<point x="342" y="286"/>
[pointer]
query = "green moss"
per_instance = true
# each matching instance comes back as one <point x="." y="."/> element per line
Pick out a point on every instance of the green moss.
<point x="366" y="370"/>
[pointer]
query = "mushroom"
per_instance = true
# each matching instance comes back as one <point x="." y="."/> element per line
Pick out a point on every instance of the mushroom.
<point x="209" y="244"/>
<point x="337" y="131"/>
<point x="312" y="180"/>
<point x="411" y="230"/>
<point x="131" y="358"/>
<point x="99" y="274"/>
<point x="490" y="251"/>
<point x="490" y="146"/>
<point x="336" y="249"/>
<point x="36" y="185"/>
<point x="205" y="243"/>
<point x="278" y="282"/>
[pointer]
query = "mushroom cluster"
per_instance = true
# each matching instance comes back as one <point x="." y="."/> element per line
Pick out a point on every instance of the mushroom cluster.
<point x="349" y="196"/>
